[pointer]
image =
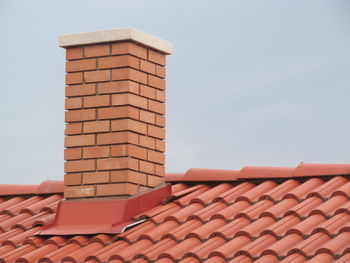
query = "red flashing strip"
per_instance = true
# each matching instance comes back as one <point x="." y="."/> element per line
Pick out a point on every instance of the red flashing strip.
<point x="102" y="216"/>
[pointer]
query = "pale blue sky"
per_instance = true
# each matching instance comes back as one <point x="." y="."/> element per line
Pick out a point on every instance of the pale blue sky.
<point x="249" y="83"/>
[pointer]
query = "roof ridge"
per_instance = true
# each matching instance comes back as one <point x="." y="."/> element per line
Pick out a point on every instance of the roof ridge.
<point x="46" y="187"/>
<point x="261" y="172"/>
<point x="204" y="174"/>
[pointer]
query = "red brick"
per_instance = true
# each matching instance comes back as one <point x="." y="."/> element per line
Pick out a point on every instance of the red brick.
<point x="117" y="163"/>
<point x="79" y="140"/>
<point x="156" y="57"/>
<point x="155" y="181"/>
<point x="116" y="138"/>
<point x="72" y="179"/>
<point x="128" y="176"/>
<point x="160" y="145"/>
<point x="146" y="167"/>
<point x="148" y="67"/>
<point x="129" y="125"/>
<point x="95" y="177"/>
<point x="129" y="73"/>
<point x="79" y="166"/>
<point x="155" y="131"/>
<point x="160" y="96"/>
<point x="129" y="99"/>
<point x="72" y="153"/>
<point x="97" y="51"/>
<point x="120" y="137"/>
<point x="97" y="101"/>
<point x="147" y="116"/>
<point x="73" y="128"/>
<point x="147" y="92"/>
<point x="74" y="78"/>
<point x="118" y="112"/>
<point x="129" y="48"/>
<point x="160" y="120"/>
<point x="160" y="71"/>
<point x="74" y="53"/>
<point x="80" y="115"/>
<point x="159" y="170"/>
<point x="118" y="62"/>
<point x="96" y="126"/>
<point x="118" y="87"/>
<point x="122" y="189"/>
<point x="129" y="150"/>
<point x="97" y="76"/>
<point x="144" y="188"/>
<point x="81" y="65"/>
<point x="155" y="157"/>
<point x="73" y="103"/>
<point x="156" y="106"/>
<point x="80" y="90"/>
<point x="95" y="152"/>
<point x="147" y="142"/>
<point x="156" y="82"/>
<point x="79" y="191"/>
<point x="121" y="74"/>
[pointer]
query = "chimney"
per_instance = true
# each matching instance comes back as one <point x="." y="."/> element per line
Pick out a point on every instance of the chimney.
<point x="115" y="113"/>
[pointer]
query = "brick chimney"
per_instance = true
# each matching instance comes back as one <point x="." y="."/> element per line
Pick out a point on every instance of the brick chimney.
<point x="115" y="113"/>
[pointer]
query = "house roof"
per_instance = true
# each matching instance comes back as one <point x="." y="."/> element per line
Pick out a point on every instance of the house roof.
<point x="260" y="214"/>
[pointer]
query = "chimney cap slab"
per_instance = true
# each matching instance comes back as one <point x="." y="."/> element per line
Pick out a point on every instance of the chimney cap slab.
<point x="121" y="34"/>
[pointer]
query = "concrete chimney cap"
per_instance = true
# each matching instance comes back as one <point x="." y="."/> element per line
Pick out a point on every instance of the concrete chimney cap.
<point x="114" y="35"/>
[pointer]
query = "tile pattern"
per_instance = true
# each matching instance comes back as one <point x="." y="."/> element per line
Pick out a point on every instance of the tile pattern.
<point x="290" y="220"/>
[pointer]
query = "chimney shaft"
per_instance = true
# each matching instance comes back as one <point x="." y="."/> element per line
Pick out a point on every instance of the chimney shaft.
<point x="115" y="113"/>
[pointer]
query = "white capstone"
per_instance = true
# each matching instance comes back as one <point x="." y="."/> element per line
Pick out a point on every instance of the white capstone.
<point x="116" y="35"/>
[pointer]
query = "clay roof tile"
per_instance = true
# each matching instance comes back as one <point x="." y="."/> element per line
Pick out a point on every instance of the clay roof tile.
<point x="260" y="214"/>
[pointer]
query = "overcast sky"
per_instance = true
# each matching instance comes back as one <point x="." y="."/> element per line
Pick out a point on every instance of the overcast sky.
<point x="249" y="82"/>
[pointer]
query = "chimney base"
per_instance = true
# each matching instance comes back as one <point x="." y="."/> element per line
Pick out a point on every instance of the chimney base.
<point x="109" y="216"/>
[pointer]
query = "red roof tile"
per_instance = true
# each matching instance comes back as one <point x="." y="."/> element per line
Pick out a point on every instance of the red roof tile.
<point x="46" y="187"/>
<point x="255" y="214"/>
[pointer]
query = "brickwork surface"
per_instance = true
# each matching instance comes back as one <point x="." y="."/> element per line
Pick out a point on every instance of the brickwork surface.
<point x="115" y="120"/>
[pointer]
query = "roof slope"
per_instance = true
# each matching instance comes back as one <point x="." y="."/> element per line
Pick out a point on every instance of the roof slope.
<point x="265" y="216"/>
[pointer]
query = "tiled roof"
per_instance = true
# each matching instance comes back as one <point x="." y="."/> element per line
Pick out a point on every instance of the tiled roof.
<point x="255" y="214"/>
